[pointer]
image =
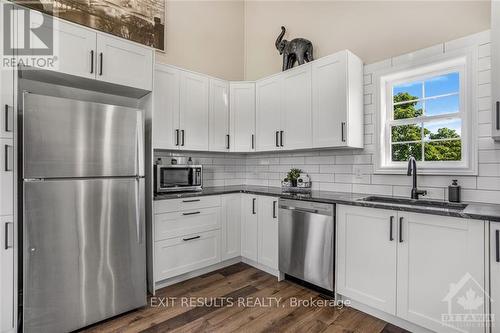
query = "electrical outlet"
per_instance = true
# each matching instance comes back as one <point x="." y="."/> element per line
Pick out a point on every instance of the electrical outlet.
<point x="357" y="172"/>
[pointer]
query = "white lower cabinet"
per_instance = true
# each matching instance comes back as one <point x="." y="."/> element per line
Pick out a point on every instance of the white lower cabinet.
<point x="495" y="271"/>
<point x="249" y="226"/>
<point x="421" y="268"/>
<point x="187" y="253"/>
<point x="187" y="235"/>
<point x="231" y="226"/>
<point x="268" y="232"/>
<point x="194" y="233"/>
<point x="440" y="270"/>
<point x="6" y="274"/>
<point x="366" y="269"/>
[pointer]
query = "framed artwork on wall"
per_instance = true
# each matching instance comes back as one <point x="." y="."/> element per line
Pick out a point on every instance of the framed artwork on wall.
<point x="141" y="21"/>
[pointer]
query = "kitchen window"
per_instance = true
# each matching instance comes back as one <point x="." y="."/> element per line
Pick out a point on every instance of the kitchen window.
<point x="425" y="112"/>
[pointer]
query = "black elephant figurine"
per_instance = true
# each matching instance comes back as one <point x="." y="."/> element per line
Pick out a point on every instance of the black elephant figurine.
<point x="298" y="49"/>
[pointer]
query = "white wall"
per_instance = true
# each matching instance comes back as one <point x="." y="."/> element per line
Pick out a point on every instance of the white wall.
<point x="374" y="30"/>
<point x="352" y="170"/>
<point x="205" y="36"/>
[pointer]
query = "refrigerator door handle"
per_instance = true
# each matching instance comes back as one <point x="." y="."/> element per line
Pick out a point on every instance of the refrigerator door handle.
<point x="140" y="145"/>
<point x="139" y="210"/>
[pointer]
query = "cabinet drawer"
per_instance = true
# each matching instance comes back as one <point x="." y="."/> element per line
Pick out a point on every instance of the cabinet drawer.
<point x="186" y="204"/>
<point x="185" y="254"/>
<point x="176" y="224"/>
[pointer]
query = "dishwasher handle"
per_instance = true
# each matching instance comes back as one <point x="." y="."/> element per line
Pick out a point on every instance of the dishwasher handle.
<point x="305" y="210"/>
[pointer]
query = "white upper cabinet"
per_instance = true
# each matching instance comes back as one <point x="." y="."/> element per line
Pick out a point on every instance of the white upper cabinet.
<point x="495" y="68"/>
<point x="6" y="103"/>
<point x="268" y="113"/>
<point x="74" y="45"/>
<point x="181" y="109"/>
<point x="284" y="111"/>
<point x="84" y="52"/>
<point x="435" y="253"/>
<point x="337" y="101"/>
<point x="242" y="116"/>
<point x="366" y="256"/>
<point x="194" y="111"/>
<point x="219" y="116"/>
<point x="166" y="107"/>
<point x="296" y="116"/>
<point x="124" y="63"/>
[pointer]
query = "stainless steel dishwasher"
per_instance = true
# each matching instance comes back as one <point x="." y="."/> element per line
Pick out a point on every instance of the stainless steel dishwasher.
<point x="306" y="241"/>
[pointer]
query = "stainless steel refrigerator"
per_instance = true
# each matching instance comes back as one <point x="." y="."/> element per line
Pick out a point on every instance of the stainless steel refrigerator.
<point x="84" y="257"/>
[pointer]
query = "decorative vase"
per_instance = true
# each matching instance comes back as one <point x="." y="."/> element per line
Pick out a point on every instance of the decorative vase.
<point x="294" y="182"/>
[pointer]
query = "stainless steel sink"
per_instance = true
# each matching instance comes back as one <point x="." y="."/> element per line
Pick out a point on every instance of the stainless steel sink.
<point x="413" y="202"/>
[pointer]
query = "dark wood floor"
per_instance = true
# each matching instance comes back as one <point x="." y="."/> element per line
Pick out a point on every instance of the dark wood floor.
<point x="219" y="292"/>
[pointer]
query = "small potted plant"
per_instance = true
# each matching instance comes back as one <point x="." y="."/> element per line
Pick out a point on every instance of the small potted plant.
<point x="293" y="175"/>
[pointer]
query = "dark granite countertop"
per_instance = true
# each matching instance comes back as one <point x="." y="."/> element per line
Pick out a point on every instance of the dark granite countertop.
<point x="476" y="211"/>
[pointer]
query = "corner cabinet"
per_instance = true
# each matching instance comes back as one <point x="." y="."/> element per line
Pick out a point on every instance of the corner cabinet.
<point x="411" y="261"/>
<point x="242" y="116"/>
<point x="495" y="68"/>
<point x="337" y="101"/>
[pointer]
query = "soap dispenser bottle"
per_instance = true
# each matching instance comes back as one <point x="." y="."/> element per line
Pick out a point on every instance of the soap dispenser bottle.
<point x="454" y="191"/>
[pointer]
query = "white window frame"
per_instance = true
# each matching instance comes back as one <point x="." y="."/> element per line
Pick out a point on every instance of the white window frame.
<point x="464" y="62"/>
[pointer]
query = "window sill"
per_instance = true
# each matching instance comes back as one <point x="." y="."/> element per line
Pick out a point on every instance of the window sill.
<point x="427" y="171"/>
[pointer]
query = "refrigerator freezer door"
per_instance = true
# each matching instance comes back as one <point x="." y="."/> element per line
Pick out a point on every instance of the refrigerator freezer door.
<point x="71" y="138"/>
<point x="84" y="254"/>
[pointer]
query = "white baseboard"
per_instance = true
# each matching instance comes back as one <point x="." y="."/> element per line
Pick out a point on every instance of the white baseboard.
<point x="198" y="272"/>
<point x="385" y="316"/>
<point x="266" y="269"/>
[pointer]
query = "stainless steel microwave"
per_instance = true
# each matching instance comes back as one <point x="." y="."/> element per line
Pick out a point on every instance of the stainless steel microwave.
<point x="176" y="178"/>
